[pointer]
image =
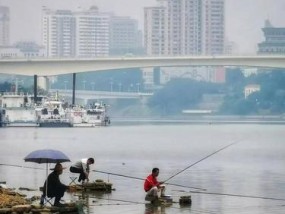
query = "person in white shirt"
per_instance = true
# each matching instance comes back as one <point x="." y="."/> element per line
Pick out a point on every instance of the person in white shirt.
<point x="83" y="168"/>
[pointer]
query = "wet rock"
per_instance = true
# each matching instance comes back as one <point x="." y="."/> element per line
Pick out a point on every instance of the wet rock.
<point x="22" y="208"/>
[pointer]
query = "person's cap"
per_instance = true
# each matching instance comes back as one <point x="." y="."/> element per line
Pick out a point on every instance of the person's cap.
<point x="58" y="167"/>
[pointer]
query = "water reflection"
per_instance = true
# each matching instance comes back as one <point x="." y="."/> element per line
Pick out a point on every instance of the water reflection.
<point x="152" y="209"/>
<point x="90" y="199"/>
<point x="255" y="166"/>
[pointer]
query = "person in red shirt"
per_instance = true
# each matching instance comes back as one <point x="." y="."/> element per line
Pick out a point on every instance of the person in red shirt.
<point x="152" y="187"/>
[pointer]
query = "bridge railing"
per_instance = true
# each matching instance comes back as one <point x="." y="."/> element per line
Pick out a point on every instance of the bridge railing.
<point x="84" y="93"/>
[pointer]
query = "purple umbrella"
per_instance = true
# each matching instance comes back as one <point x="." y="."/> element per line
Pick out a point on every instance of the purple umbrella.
<point x="46" y="156"/>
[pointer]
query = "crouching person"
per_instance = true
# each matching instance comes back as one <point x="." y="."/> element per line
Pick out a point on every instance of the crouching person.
<point x="152" y="187"/>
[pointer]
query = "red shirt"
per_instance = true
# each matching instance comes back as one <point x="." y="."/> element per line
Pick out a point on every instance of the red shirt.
<point x="150" y="182"/>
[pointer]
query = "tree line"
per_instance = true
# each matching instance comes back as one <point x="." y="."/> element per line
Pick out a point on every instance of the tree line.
<point x="180" y="94"/>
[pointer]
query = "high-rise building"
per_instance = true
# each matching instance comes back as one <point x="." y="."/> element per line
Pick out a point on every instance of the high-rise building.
<point x="125" y="38"/>
<point x="59" y="33"/>
<point x="155" y="31"/>
<point x="92" y="33"/>
<point x="213" y="27"/>
<point x="89" y="33"/>
<point x="76" y="34"/>
<point x="4" y="26"/>
<point x="185" y="27"/>
<point x="274" y="40"/>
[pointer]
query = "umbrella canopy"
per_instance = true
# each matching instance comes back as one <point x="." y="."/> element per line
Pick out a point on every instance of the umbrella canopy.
<point x="46" y="156"/>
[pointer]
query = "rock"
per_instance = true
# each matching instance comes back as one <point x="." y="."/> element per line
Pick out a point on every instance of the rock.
<point x="5" y="210"/>
<point x="22" y="208"/>
<point x="185" y="200"/>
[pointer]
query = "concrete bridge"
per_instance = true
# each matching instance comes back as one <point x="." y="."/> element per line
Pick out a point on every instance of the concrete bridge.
<point x="54" y="66"/>
<point x="44" y="67"/>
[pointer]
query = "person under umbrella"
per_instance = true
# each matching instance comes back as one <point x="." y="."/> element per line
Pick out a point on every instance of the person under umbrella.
<point x="53" y="187"/>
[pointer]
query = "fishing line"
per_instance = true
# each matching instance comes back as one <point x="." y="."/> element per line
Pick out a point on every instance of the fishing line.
<point x="120" y="200"/>
<point x="132" y="177"/>
<point x="238" y="195"/>
<point x="27" y="167"/>
<point x="201" y="160"/>
<point x="143" y="203"/>
<point x="99" y="205"/>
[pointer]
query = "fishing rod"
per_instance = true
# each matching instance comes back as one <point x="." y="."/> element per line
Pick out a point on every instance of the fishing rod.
<point x="132" y="177"/>
<point x="238" y="195"/>
<point x="201" y="160"/>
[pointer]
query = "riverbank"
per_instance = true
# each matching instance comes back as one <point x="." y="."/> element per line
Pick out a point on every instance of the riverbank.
<point x="200" y="119"/>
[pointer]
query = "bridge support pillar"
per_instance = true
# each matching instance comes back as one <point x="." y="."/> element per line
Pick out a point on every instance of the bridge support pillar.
<point x="35" y="88"/>
<point x="43" y="82"/>
<point x="73" y="88"/>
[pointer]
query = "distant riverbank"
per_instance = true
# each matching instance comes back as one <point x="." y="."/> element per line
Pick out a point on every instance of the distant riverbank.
<point x="200" y="119"/>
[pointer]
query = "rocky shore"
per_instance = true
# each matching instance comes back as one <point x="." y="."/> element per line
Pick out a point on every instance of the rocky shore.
<point x="12" y="202"/>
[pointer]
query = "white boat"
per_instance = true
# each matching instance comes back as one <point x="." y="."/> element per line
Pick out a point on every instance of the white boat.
<point x="19" y="109"/>
<point x="76" y="114"/>
<point x="52" y="114"/>
<point x="91" y="116"/>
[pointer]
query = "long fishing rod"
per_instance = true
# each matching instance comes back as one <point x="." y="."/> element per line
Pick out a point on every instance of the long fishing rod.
<point x="238" y="195"/>
<point x="132" y="177"/>
<point x="201" y="160"/>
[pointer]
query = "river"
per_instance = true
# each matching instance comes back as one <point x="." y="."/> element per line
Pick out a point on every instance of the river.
<point x="239" y="179"/>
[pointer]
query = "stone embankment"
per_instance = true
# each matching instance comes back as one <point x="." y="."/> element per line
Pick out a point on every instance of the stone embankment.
<point x="12" y="202"/>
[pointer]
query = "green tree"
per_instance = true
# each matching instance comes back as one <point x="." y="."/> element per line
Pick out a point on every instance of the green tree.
<point x="4" y="87"/>
<point x="179" y="94"/>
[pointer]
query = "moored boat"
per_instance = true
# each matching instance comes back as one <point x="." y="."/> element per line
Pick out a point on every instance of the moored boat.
<point x="19" y="109"/>
<point x="93" y="115"/>
<point x="52" y="114"/>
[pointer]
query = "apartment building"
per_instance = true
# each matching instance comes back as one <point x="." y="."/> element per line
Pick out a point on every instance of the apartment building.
<point x="89" y="33"/>
<point x="59" y="33"/>
<point x="184" y="27"/>
<point x="92" y="33"/>
<point x="125" y="38"/>
<point x="4" y="26"/>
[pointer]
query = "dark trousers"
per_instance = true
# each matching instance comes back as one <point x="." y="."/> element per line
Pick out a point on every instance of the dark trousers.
<point x="82" y="176"/>
<point x="58" y="196"/>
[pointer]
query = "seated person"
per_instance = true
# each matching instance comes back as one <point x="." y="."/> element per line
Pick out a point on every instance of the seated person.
<point x="54" y="187"/>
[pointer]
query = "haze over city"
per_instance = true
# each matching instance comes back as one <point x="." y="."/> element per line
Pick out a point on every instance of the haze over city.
<point x="243" y="19"/>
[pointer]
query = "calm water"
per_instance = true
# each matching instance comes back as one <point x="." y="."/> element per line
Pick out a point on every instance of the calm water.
<point x="253" y="167"/>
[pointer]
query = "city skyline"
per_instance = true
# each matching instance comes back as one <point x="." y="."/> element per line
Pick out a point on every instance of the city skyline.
<point x="243" y="21"/>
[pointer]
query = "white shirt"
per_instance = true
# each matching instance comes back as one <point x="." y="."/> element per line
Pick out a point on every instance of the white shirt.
<point x="82" y="164"/>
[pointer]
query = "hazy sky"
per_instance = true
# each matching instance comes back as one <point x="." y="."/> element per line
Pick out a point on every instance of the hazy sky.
<point x="244" y="18"/>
